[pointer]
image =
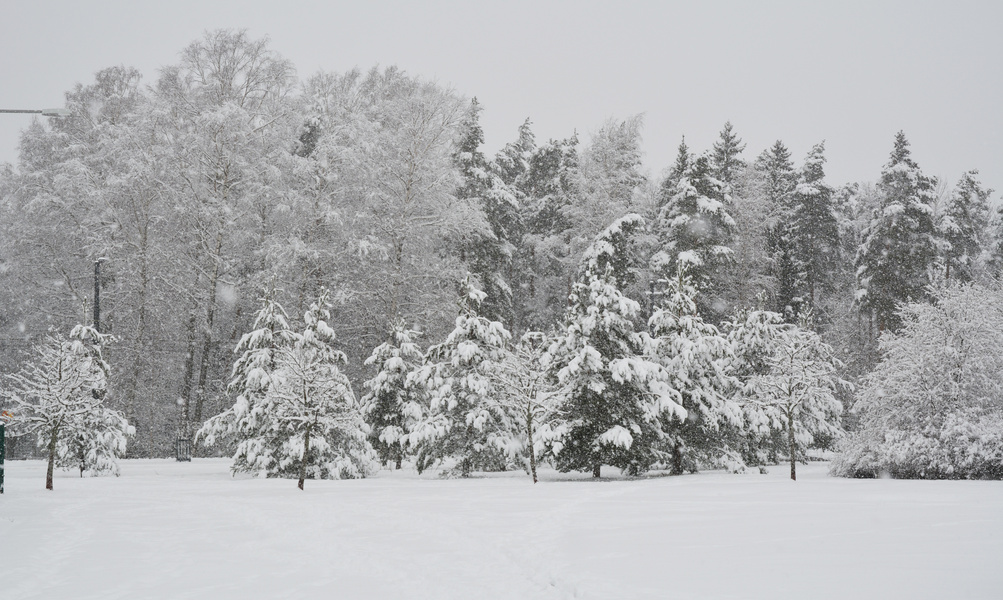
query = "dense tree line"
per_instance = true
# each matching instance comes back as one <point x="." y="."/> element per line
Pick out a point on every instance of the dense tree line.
<point x="655" y="315"/>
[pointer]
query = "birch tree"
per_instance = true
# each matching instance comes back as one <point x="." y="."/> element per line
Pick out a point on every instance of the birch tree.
<point x="59" y="399"/>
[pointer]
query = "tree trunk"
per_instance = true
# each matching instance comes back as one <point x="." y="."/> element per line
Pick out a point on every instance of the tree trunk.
<point x="306" y="457"/>
<point x="595" y="470"/>
<point x="210" y="317"/>
<point x="186" y="383"/>
<point x="677" y="459"/>
<point x="532" y="451"/>
<point x="52" y="457"/>
<point x="140" y="350"/>
<point x="790" y="443"/>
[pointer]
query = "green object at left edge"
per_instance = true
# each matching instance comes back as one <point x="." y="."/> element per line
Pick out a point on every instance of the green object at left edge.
<point x="2" y="439"/>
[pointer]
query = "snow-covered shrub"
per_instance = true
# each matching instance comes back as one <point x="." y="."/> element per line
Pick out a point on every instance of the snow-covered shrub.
<point x="933" y="407"/>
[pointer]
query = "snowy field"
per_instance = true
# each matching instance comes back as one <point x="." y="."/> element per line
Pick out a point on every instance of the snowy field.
<point x="170" y="530"/>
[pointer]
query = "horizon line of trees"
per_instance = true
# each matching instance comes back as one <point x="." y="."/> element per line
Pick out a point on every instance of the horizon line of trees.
<point x="227" y="178"/>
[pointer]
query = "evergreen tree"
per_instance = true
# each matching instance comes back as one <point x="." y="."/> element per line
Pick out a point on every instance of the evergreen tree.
<point x="249" y="423"/>
<point x="464" y="421"/>
<point x="295" y="414"/>
<point x="694" y="356"/>
<point x="777" y="171"/>
<point x="613" y="397"/>
<point x="695" y="228"/>
<point x="752" y="337"/>
<point x="778" y="185"/>
<point x="313" y="408"/>
<point x="513" y="161"/>
<point x="725" y="161"/>
<point x="965" y="228"/>
<point x="900" y="243"/>
<point x="669" y="186"/>
<point x="814" y="233"/>
<point x="390" y="405"/>
<point x="490" y="256"/>
<point x="59" y="398"/>
<point x="541" y="287"/>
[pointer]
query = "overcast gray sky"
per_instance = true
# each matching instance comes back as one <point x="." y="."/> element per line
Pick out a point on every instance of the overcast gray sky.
<point x="852" y="73"/>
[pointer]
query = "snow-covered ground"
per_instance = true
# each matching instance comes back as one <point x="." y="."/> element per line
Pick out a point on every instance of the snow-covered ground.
<point x="170" y="530"/>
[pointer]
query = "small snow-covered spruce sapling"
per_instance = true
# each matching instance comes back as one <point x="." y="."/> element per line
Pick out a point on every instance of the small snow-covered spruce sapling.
<point x="295" y="414"/>
<point x="464" y="420"/>
<point x="59" y="398"/>
<point x="390" y="405"/>
<point x="313" y="408"/>
<point x="247" y="422"/>
<point x="527" y="390"/>
<point x="797" y="391"/>
<point x="614" y="399"/>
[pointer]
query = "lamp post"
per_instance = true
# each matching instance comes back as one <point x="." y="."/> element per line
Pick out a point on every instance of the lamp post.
<point x="45" y="112"/>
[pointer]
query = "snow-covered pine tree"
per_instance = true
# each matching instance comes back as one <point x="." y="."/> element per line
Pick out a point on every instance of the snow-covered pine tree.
<point x="797" y="392"/>
<point x="779" y="181"/>
<point x="391" y="406"/>
<point x="994" y="259"/>
<point x="608" y="186"/>
<point x="752" y="336"/>
<point x="725" y="161"/>
<point x="900" y="243"/>
<point x="613" y="398"/>
<point x="541" y="287"/>
<point x="694" y="357"/>
<point x="313" y="409"/>
<point x="814" y="231"/>
<point x="464" y="421"/>
<point x="695" y="228"/>
<point x="248" y="423"/>
<point x="965" y="228"/>
<point x="933" y="406"/>
<point x="527" y="390"/>
<point x="490" y="256"/>
<point x="677" y="171"/>
<point x="59" y="398"/>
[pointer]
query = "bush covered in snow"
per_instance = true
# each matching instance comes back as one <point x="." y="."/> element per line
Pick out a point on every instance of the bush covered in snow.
<point x="933" y="407"/>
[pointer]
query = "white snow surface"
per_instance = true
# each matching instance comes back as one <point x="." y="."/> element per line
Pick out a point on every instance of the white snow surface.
<point x="189" y="530"/>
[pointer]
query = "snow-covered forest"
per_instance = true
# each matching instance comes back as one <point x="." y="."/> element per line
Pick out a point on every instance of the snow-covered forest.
<point x="319" y="277"/>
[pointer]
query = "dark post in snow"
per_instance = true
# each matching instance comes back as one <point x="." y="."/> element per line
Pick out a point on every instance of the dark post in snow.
<point x="2" y="437"/>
